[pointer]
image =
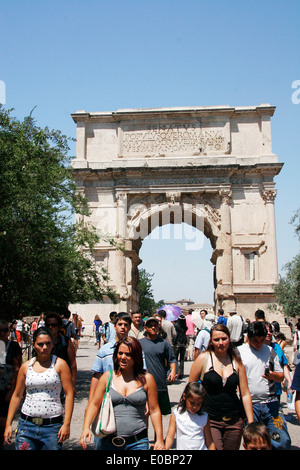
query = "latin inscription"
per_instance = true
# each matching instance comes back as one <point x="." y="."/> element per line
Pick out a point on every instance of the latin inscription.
<point x="173" y="138"/>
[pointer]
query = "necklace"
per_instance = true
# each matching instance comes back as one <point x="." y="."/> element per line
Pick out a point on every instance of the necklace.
<point x="222" y="365"/>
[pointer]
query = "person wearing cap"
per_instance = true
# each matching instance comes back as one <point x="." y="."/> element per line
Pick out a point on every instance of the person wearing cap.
<point x="158" y="353"/>
<point x="235" y="327"/>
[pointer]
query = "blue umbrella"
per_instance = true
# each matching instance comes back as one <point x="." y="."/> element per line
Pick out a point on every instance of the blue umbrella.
<point x="172" y="312"/>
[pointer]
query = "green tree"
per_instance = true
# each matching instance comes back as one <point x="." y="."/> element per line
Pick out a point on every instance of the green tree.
<point x="287" y="291"/>
<point x="46" y="259"/>
<point x="146" y="298"/>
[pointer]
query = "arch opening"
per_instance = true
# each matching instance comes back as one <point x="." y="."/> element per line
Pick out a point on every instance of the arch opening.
<point x="171" y="229"/>
<point x="175" y="253"/>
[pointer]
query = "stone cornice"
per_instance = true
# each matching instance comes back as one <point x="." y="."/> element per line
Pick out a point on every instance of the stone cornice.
<point x="161" y="113"/>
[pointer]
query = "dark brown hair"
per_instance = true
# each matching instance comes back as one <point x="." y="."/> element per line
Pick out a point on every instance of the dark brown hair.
<point x="191" y="388"/>
<point x="231" y="348"/>
<point x="136" y="353"/>
<point x="255" y="432"/>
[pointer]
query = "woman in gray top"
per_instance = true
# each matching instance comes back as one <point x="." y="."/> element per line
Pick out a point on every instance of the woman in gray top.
<point x="132" y="389"/>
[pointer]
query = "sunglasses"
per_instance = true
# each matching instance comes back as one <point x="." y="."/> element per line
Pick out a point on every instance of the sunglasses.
<point x="51" y="325"/>
<point x="3" y="330"/>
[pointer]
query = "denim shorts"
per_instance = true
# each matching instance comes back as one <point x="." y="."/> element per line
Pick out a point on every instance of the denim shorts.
<point x="29" y="436"/>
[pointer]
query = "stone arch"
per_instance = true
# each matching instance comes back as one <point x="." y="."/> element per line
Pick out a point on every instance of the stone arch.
<point x="142" y="219"/>
<point x="141" y="167"/>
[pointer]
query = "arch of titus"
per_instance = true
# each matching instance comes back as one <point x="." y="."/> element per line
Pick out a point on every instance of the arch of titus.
<point x="211" y="167"/>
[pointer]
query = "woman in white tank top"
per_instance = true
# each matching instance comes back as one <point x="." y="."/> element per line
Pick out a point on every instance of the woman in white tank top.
<point x="44" y="423"/>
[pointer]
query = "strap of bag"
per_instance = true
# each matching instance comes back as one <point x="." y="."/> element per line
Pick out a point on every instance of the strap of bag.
<point x="107" y="386"/>
<point x="204" y="366"/>
<point x="108" y="382"/>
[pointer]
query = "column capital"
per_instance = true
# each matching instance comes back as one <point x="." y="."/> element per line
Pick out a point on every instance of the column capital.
<point x="225" y="194"/>
<point x="269" y="195"/>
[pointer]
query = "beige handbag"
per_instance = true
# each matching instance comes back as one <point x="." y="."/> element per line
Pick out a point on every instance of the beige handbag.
<point x="104" y="423"/>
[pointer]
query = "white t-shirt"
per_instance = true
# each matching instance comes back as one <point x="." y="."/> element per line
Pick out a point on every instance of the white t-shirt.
<point x="190" y="430"/>
<point x="255" y="362"/>
<point x="19" y="325"/>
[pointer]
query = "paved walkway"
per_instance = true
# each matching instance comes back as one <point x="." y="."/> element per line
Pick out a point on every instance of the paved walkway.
<point x="85" y="358"/>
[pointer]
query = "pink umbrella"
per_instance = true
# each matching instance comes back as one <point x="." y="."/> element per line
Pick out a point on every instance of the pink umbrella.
<point x="172" y="312"/>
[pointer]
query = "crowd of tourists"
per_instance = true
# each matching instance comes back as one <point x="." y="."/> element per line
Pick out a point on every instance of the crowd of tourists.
<point x="232" y="399"/>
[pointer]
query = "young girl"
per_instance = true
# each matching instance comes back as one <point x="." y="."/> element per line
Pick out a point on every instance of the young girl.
<point x="189" y="423"/>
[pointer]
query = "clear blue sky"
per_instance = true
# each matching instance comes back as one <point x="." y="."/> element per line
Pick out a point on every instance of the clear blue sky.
<point x="101" y="55"/>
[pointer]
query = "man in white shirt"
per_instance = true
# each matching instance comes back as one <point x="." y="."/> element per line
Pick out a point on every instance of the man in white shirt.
<point x="235" y="327"/>
<point x="201" y="341"/>
<point x="263" y="369"/>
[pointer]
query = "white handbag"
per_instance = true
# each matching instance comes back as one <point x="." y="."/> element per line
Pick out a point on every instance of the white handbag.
<point x="104" y="423"/>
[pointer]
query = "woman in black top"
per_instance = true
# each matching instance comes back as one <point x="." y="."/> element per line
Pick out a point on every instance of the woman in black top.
<point x="224" y="378"/>
<point x="179" y="344"/>
<point x="63" y="346"/>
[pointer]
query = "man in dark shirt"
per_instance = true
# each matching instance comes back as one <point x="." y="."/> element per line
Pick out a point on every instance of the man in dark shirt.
<point x="158" y="355"/>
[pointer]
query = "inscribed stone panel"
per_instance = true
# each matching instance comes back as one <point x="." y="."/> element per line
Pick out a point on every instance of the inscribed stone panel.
<point x="198" y="137"/>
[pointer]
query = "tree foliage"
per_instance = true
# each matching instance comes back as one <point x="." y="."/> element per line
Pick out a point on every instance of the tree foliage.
<point x="46" y="259"/>
<point x="147" y="303"/>
<point x="287" y="291"/>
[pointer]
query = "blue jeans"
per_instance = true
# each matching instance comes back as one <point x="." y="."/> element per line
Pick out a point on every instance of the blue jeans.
<point x="268" y="413"/>
<point x="105" y="444"/>
<point x="32" y="437"/>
